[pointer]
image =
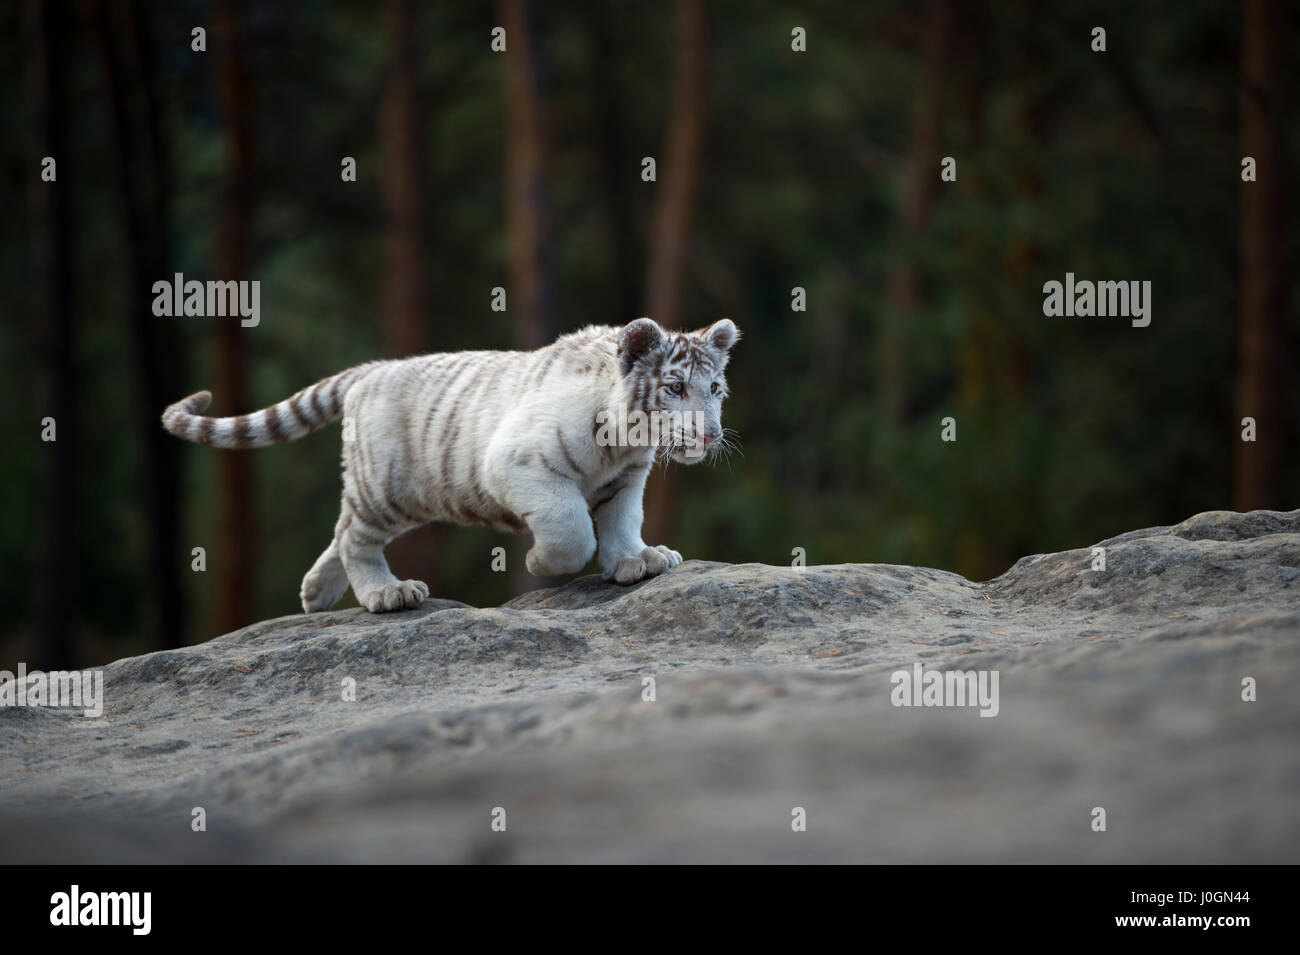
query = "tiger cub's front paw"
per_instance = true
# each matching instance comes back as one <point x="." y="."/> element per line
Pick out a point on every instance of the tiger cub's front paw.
<point x="401" y="595"/>
<point x="651" y="562"/>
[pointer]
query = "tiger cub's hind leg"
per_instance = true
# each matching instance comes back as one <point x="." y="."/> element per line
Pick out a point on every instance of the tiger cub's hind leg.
<point x="361" y="550"/>
<point x="326" y="582"/>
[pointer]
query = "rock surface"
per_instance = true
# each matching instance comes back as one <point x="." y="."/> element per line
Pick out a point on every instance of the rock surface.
<point x="1119" y="689"/>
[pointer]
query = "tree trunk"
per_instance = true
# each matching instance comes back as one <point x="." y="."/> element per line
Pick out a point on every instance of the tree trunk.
<point x="527" y="211"/>
<point x="158" y="349"/>
<point x="236" y="523"/>
<point x="679" y="170"/>
<point x="616" y="164"/>
<point x="406" y="329"/>
<point x="54" y="256"/>
<point x="144" y="223"/>
<point x="678" y="181"/>
<point x="903" y="287"/>
<point x="1260" y="332"/>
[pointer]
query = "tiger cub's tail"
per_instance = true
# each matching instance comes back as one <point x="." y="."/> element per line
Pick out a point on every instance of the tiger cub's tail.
<point x="295" y="416"/>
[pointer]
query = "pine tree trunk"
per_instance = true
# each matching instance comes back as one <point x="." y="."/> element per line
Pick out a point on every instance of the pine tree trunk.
<point x="406" y="327"/>
<point x="527" y="212"/>
<point x="617" y="163"/>
<point x="143" y="181"/>
<point x="677" y="184"/>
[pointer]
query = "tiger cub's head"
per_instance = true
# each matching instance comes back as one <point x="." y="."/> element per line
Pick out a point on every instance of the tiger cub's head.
<point x="677" y="380"/>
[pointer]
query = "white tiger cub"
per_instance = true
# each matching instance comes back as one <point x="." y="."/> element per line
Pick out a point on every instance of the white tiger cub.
<point x="514" y="440"/>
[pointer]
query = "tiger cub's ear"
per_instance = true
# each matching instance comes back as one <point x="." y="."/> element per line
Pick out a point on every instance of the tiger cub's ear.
<point x="721" y="335"/>
<point x="638" y="340"/>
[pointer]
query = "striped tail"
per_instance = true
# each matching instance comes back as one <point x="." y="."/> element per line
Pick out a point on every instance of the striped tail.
<point x="310" y="409"/>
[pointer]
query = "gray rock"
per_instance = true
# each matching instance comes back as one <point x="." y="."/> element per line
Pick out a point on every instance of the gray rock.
<point x="1119" y="689"/>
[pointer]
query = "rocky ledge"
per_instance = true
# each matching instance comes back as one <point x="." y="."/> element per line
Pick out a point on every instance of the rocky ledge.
<point x="702" y="715"/>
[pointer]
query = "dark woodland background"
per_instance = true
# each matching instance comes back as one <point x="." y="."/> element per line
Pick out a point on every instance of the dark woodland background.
<point x="776" y="169"/>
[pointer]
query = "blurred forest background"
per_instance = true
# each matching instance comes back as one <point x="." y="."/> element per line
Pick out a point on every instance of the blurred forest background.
<point x="775" y="169"/>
